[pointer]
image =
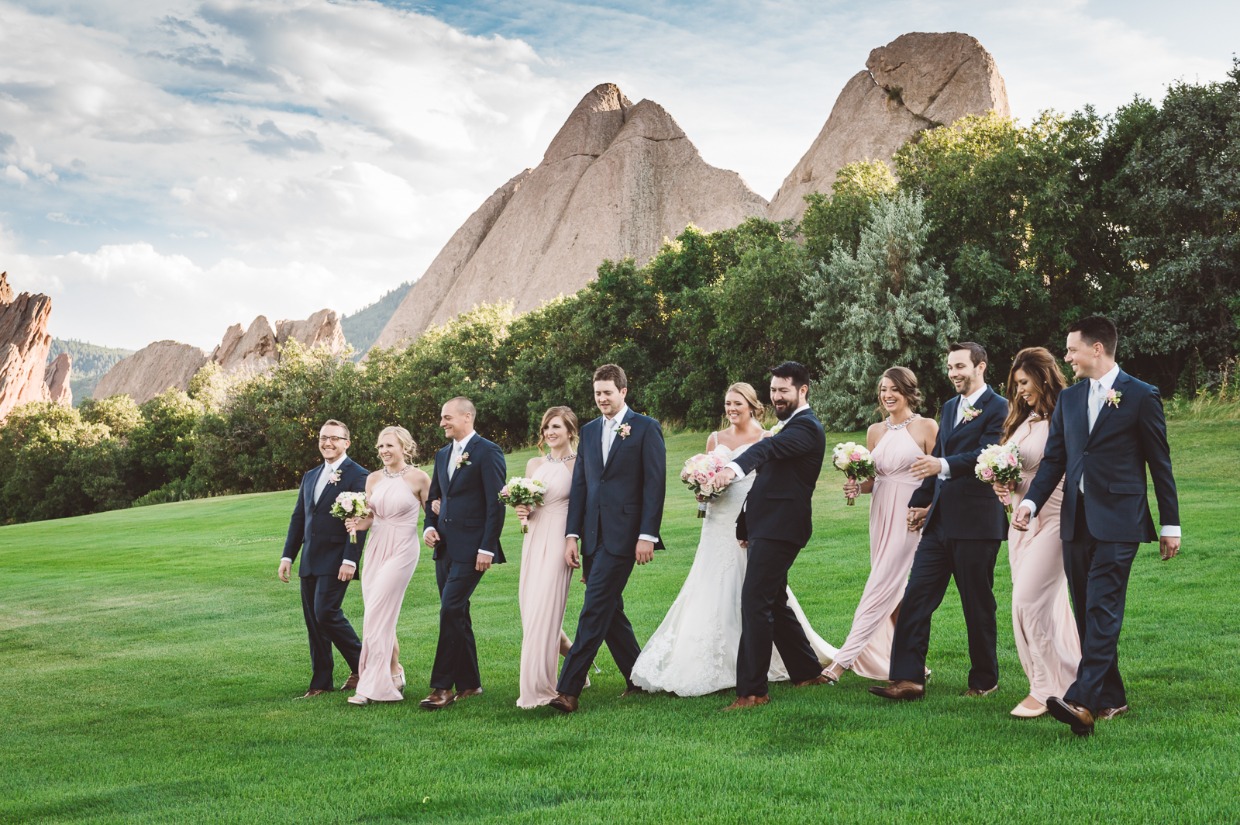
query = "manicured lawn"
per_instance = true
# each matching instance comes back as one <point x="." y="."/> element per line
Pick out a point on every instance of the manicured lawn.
<point x="149" y="657"/>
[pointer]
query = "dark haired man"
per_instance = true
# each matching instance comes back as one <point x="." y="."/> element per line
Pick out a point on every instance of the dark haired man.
<point x="775" y="524"/>
<point x="615" y="507"/>
<point x="963" y="527"/>
<point x="1106" y="429"/>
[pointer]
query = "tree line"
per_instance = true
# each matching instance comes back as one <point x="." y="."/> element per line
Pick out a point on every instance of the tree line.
<point x="984" y="230"/>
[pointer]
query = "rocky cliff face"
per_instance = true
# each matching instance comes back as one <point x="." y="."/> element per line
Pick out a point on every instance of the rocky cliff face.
<point x="615" y="181"/>
<point x="56" y="377"/>
<point x="915" y="82"/>
<point x="24" y="342"/>
<point x="166" y="364"/>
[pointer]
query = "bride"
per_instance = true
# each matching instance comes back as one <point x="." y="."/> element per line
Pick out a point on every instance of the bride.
<point x="694" y="650"/>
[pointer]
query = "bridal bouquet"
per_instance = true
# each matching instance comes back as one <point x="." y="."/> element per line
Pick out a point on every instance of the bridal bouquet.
<point x="1000" y="464"/>
<point x="521" y="490"/>
<point x="699" y="474"/>
<point x="350" y="505"/>
<point x="855" y="462"/>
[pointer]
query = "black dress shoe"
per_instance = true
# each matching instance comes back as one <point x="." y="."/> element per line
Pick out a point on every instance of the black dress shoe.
<point x="901" y="690"/>
<point x="1070" y="713"/>
<point x="564" y="703"/>
<point x="632" y="690"/>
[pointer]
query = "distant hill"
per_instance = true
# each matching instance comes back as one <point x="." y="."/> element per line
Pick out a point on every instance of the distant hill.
<point x="363" y="327"/>
<point x="90" y="362"/>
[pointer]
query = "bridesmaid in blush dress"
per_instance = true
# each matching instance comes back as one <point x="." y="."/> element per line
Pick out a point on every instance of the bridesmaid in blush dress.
<point x="396" y="495"/>
<point x="545" y="578"/>
<point x="1046" y="633"/>
<point x="895" y="442"/>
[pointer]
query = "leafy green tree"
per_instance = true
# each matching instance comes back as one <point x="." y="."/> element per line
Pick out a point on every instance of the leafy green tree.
<point x="839" y="217"/>
<point x="885" y="306"/>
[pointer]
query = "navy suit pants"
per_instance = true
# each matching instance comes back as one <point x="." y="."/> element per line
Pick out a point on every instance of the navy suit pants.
<point x="456" y="656"/>
<point x="326" y="625"/>
<point x="602" y="620"/>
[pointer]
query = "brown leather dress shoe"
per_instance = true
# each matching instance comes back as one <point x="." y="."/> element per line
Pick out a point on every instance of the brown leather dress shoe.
<point x="350" y="683"/>
<point x="978" y="692"/>
<point x="1110" y="713"/>
<point x="748" y="702"/>
<point x="439" y="699"/>
<point x="901" y="690"/>
<point x="465" y="694"/>
<point x="1070" y="713"/>
<point x="823" y="678"/>
<point x="564" y="703"/>
<point x="312" y="692"/>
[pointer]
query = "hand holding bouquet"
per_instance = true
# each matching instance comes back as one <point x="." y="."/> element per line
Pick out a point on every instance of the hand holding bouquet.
<point x="855" y="462"/>
<point x="351" y="505"/>
<point x="699" y="474"/>
<point x="523" y="491"/>
<point x="999" y="464"/>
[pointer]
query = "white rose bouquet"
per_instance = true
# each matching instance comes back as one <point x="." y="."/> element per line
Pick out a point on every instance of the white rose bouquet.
<point x="698" y="475"/>
<point x="521" y="490"/>
<point x="351" y="505"/>
<point x="855" y="462"/>
<point x="1000" y="464"/>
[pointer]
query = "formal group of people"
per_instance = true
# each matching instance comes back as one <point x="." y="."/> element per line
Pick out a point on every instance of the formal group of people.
<point x="1080" y="512"/>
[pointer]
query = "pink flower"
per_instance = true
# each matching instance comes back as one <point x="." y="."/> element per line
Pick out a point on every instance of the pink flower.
<point x="988" y="473"/>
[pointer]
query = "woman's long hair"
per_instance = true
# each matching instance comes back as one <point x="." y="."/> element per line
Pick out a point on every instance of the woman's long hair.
<point x="1039" y="365"/>
<point x="569" y="418"/>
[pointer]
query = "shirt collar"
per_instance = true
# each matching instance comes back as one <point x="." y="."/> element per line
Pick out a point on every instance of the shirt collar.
<point x="1107" y="381"/>
<point x="461" y="444"/>
<point x="619" y="416"/>
<point x="973" y="397"/>
<point x="331" y="468"/>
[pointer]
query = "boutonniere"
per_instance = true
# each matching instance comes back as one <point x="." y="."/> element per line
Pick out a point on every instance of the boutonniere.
<point x="779" y="425"/>
<point x="623" y="430"/>
<point x="462" y="461"/>
<point x="970" y="412"/>
<point x="333" y="477"/>
<point x="1113" y="398"/>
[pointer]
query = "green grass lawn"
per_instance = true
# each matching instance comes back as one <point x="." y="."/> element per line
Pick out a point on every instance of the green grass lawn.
<point x="149" y="658"/>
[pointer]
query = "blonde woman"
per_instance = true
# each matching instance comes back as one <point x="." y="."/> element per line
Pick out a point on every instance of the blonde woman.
<point x="396" y="495"/>
<point x="694" y="650"/>
<point x="543" y="589"/>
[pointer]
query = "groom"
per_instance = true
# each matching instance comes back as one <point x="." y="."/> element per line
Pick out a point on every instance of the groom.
<point x="464" y="533"/>
<point x="1104" y="432"/>
<point x="328" y="558"/>
<point x="776" y="522"/>
<point x="615" y="507"/>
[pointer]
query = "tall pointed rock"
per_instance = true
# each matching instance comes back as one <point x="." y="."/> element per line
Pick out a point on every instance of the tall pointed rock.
<point x="615" y="181"/>
<point x="915" y="82"/>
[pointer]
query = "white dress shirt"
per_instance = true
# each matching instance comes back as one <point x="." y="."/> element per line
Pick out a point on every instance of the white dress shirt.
<point x="607" y="444"/>
<point x="458" y="450"/>
<point x="319" y="487"/>
<point x="945" y="472"/>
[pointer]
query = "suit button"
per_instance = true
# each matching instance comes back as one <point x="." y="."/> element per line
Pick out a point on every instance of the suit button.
<point x="1086" y="452"/>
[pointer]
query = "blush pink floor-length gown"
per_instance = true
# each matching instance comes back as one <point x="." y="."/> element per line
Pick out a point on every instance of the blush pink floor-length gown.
<point x="391" y="555"/>
<point x="1042" y="621"/>
<point x="867" y="650"/>
<point x="543" y="588"/>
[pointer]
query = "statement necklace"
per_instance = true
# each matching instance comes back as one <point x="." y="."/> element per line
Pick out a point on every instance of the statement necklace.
<point x="902" y="424"/>
<point x="396" y="474"/>
<point x="553" y="460"/>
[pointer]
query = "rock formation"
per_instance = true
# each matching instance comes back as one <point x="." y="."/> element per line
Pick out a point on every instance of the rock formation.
<point x="151" y="370"/>
<point x="615" y="181"/>
<point x="164" y="364"/>
<point x="915" y="82"/>
<point x="24" y="343"/>
<point x="56" y="377"/>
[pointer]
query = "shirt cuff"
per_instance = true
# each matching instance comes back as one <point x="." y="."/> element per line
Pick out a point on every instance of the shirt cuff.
<point x="736" y="468"/>
<point x="572" y="536"/>
<point x="350" y="563"/>
<point x="482" y="552"/>
<point x="287" y="559"/>
<point x="1170" y="531"/>
<point x="427" y="530"/>
<point x="1030" y="506"/>
<point x="649" y="538"/>
<point x="945" y="470"/>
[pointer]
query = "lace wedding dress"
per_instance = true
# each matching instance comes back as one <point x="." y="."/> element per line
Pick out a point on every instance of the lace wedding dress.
<point x="693" y="652"/>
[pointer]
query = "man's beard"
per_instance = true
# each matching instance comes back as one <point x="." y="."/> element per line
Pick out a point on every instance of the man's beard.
<point x="785" y="412"/>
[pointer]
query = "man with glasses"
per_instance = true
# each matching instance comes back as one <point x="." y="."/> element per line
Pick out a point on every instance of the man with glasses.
<point x="328" y="558"/>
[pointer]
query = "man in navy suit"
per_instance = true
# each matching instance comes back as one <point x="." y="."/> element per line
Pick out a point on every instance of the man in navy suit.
<point x="615" y="508"/>
<point x="1104" y="432"/>
<point x="963" y="527"/>
<point x="469" y="473"/>
<point x="775" y="523"/>
<point x="328" y="558"/>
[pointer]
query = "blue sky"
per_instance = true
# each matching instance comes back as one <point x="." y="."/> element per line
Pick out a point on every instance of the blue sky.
<point x="171" y="167"/>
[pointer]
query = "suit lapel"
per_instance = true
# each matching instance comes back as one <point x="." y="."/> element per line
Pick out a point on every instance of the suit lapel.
<point x="456" y="471"/>
<point x="949" y="421"/>
<point x="616" y="442"/>
<point x="1121" y="381"/>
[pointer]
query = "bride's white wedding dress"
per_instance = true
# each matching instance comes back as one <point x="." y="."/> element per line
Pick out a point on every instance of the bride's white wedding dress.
<point x="694" y="650"/>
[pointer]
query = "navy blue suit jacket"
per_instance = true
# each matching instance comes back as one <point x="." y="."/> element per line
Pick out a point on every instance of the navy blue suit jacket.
<point x="1112" y="459"/>
<point x="471" y="515"/>
<point x="779" y="505"/>
<point x="610" y="506"/>
<point x="962" y="506"/>
<point x="313" y="530"/>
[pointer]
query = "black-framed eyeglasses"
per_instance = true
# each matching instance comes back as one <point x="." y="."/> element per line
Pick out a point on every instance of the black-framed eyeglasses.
<point x="336" y="438"/>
